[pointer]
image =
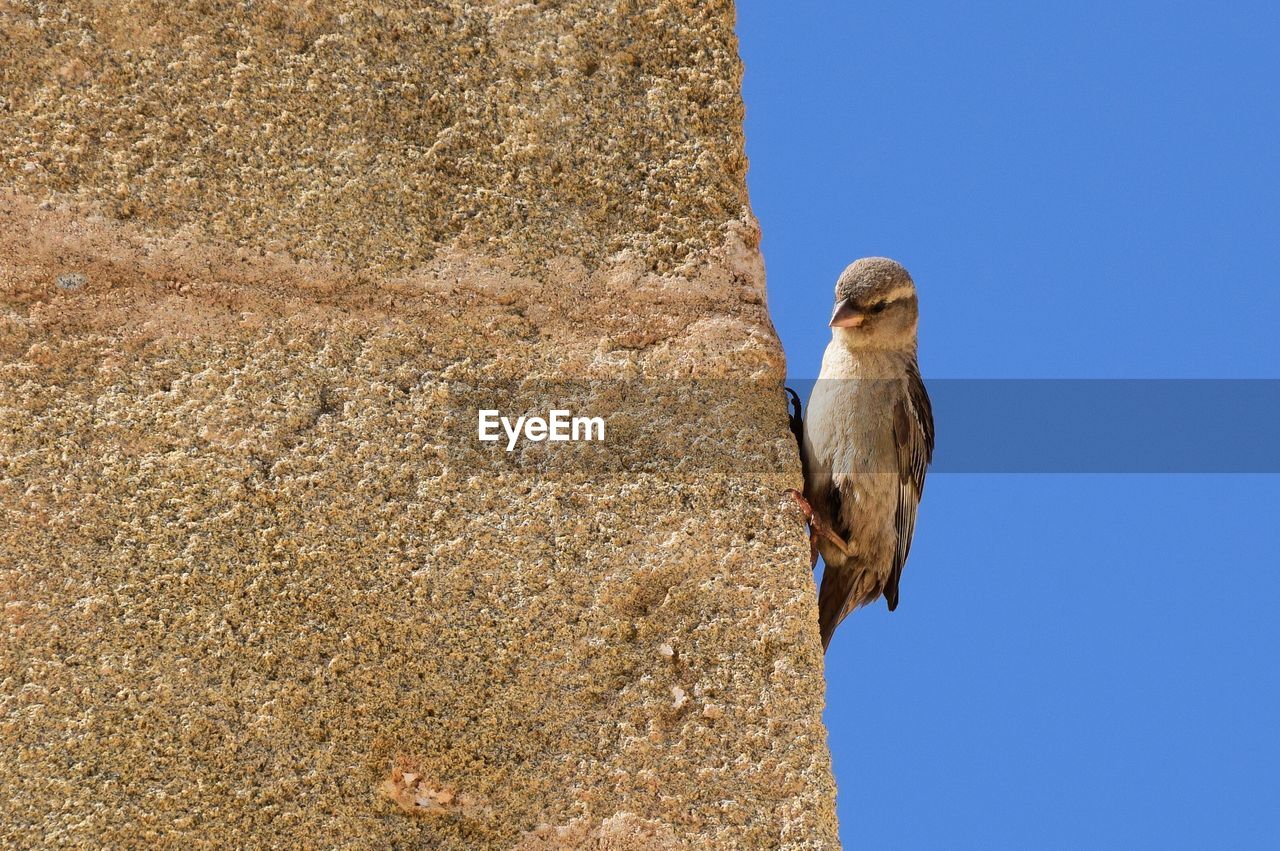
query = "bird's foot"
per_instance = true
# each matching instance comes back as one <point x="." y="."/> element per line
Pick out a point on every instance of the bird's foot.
<point x="817" y="528"/>
<point x="808" y="516"/>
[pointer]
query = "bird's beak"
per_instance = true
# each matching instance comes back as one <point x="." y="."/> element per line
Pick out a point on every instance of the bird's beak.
<point x="846" y="315"/>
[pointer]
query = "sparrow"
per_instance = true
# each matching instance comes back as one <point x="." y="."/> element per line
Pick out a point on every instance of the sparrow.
<point x="867" y="439"/>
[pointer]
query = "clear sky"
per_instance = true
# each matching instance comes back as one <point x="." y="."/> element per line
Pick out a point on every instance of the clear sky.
<point x="1082" y="190"/>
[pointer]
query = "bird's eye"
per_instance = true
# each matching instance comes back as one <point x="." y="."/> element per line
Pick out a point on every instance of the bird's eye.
<point x="878" y="307"/>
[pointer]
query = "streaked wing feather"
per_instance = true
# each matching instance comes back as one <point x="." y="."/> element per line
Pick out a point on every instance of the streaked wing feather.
<point x="913" y="436"/>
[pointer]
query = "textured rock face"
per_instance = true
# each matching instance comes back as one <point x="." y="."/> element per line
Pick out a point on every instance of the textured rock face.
<point x="374" y="132"/>
<point x="261" y="583"/>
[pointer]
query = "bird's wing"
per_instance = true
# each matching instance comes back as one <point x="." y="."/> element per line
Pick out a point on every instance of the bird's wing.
<point x="913" y="437"/>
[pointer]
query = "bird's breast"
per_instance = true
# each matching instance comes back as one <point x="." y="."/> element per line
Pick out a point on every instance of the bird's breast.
<point x="849" y="425"/>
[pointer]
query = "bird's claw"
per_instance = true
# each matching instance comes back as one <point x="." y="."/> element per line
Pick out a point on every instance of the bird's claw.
<point x="808" y="516"/>
<point x="839" y="542"/>
<point x="817" y="527"/>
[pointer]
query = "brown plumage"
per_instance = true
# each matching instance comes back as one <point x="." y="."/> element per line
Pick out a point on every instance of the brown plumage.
<point x="868" y="439"/>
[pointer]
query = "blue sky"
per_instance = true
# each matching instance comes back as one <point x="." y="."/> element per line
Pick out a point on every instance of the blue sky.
<point x="1081" y="190"/>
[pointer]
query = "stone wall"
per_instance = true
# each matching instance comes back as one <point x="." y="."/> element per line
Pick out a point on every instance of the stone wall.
<point x="259" y="265"/>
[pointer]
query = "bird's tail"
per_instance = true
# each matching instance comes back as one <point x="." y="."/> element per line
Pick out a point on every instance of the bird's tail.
<point x="836" y="598"/>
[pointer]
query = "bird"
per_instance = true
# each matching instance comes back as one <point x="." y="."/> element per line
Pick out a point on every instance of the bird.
<point x="867" y="440"/>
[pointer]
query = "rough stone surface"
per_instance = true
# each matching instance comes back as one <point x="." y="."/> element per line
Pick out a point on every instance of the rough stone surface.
<point x="374" y="132"/>
<point x="261" y="586"/>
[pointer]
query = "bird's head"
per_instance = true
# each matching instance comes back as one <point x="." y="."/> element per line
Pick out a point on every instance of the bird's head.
<point x="876" y="306"/>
